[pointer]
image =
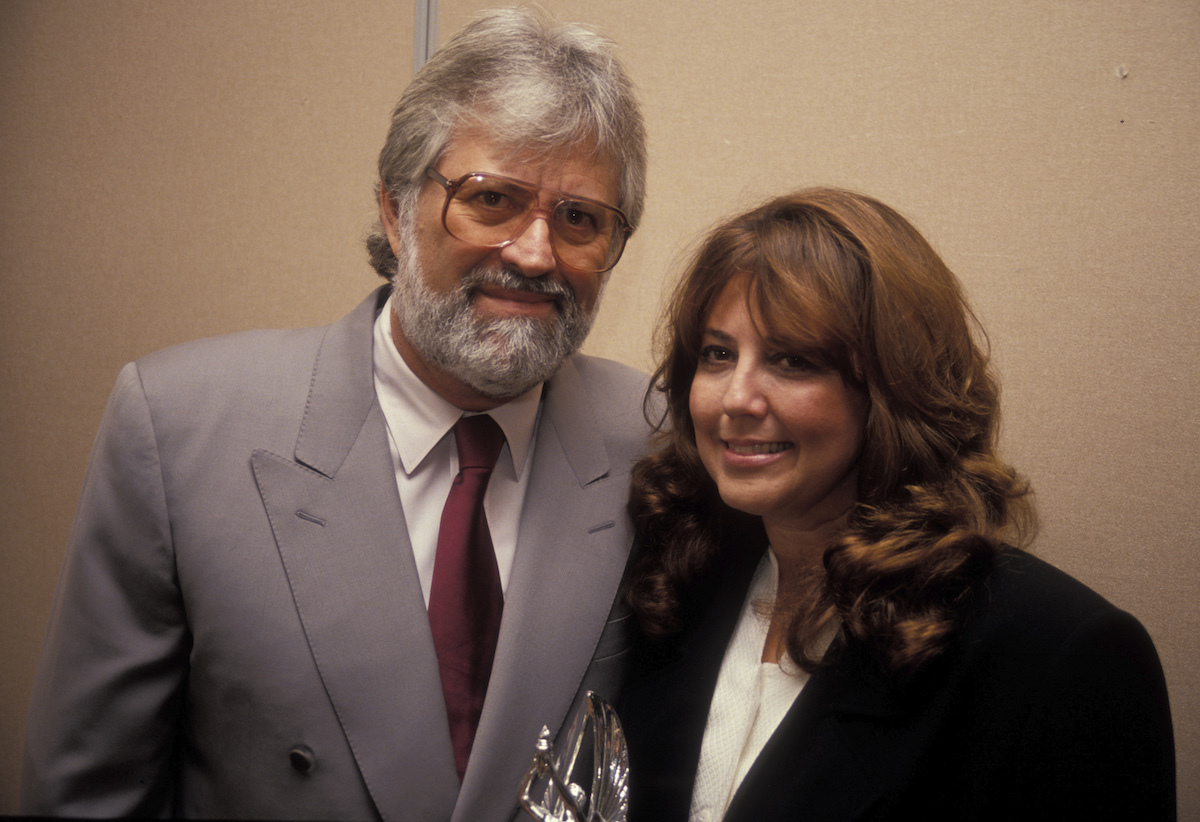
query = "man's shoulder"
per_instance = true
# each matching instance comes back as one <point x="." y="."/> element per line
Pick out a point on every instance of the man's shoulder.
<point x="257" y="358"/>
<point x="610" y="391"/>
<point x="237" y="344"/>
<point x="603" y="398"/>
<point x="598" y="372"/>
<point x="246" y="357"/>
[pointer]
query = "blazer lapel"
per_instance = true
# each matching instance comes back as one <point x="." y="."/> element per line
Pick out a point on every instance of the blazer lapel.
<point x="572" y="550"/>
<point x="842" y="749"/>
<point x="341" y="534"/>
<point x="670" y="683"/>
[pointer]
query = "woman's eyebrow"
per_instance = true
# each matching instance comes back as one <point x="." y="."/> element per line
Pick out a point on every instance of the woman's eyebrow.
<point x="718" y="335"/>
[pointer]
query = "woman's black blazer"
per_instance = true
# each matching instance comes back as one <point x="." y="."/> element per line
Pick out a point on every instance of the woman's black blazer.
<point x="1050" y="704"/>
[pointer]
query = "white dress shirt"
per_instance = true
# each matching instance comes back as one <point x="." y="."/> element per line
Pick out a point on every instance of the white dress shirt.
<point x="419" y="424"/>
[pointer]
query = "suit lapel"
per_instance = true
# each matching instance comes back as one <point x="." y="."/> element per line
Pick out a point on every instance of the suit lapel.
<point x="845" y="746"/>
<point x="670" y="683"/>
<point x="837" y="753"/>
<point x="572" y="549"/>
<point x="341" y="534"/>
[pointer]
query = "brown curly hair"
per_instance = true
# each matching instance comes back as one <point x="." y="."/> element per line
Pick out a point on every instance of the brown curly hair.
<point x="846" y="274"/>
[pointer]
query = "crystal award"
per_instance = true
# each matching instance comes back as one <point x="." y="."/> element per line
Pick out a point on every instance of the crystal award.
<point x="588" y="780"/>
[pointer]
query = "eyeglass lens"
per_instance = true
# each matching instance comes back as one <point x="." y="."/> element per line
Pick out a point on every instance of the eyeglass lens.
<point x="492" y="211"/>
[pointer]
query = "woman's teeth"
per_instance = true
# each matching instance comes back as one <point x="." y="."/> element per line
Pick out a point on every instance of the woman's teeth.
<point x="758" y="448"/>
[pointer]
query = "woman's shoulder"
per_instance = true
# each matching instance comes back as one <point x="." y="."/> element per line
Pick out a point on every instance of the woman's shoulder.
<point x="1023" y="583"/>
<point x="1053" y="672"/>
<point x="1029" y="604"/>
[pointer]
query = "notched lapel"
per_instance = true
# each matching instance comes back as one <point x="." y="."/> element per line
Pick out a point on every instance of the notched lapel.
<point x="568" y="400"/>
<point x="342" y="391"/>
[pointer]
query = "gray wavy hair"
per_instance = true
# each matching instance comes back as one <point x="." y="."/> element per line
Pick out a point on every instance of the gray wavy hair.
<point x="534" y="87"/>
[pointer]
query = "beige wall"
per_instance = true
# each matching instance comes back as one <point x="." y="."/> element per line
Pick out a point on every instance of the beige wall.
<point x="171" y="170"/>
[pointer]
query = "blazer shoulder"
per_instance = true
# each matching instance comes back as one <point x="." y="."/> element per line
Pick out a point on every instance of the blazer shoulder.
<point x="260" y="361"/>
<point x="1078" y="685"/>
<point x="612" y="392"/>
<point x="240" y="357"/>
<point x="610" y="380"/>
<point x="1034" y="624"/>
<point x="1025" y="592"/>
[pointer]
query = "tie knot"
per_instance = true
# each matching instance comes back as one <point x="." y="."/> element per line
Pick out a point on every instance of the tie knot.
<point x="479" y="440"/>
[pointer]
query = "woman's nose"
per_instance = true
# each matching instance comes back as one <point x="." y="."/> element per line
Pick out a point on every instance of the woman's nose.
<point x="743" y="393"/>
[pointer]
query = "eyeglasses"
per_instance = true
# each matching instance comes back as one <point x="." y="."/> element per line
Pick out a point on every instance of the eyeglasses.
<point x="491" y="211"/>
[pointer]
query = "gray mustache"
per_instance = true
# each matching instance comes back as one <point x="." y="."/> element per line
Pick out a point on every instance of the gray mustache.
<point x="515" y="281"/>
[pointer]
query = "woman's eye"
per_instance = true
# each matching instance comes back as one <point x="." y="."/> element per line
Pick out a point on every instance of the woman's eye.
<point x="715" y="354"/>
<point x="794" y="362"/>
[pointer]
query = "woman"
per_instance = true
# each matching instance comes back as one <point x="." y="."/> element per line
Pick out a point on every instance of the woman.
<point x="834" y="624"/>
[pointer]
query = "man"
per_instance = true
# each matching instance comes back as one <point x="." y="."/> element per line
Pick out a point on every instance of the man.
<point x="252" y="614"/>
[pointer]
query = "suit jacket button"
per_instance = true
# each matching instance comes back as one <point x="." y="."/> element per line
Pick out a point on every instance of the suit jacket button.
<point x="302" y="758"/>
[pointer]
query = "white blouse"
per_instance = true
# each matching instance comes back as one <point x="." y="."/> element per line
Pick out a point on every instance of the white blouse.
<point x="749" y="702"/>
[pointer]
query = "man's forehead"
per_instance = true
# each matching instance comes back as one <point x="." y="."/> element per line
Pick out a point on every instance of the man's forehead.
<point x="572" y="158"/>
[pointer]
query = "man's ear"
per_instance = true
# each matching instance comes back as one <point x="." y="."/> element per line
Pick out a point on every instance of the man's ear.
<point x="388" y="216"/>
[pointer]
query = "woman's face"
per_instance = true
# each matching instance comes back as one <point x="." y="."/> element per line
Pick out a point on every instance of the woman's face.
<point x="779" y="434"/>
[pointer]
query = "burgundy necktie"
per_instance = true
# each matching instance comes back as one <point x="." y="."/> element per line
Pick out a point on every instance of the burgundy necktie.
<point x="466" y="601"/>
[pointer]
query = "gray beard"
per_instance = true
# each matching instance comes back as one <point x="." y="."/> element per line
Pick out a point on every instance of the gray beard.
<point x="499" y="358"/>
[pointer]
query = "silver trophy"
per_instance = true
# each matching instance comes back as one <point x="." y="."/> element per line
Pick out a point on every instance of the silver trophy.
<point x="588" y="781"/>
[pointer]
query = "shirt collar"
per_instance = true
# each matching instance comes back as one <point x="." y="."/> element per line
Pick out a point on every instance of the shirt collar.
<point x="428" y="417"/>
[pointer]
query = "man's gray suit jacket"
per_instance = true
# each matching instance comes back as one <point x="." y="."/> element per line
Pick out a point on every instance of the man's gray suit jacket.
<point x="239" y="628"/>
